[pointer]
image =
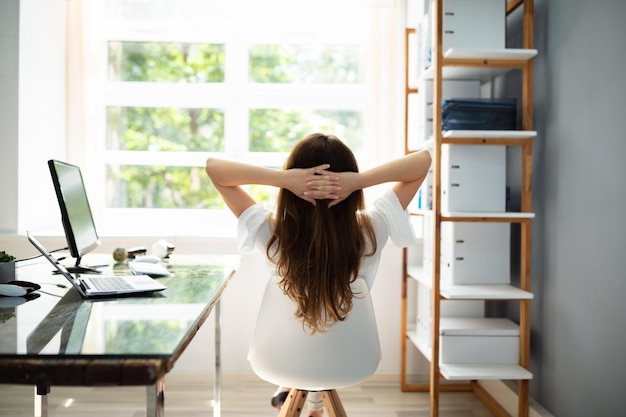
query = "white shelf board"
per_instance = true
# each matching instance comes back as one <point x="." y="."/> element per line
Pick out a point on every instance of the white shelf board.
<point x="417" y="273"/>
<point x="424" y="350"/>
<point x="462" y="371"/>
<point x="466" y="73"/>
<point x="477" y="326"/>
<point x="481" y="73"/>
<point x="477" y="214"/>
<point x="482" y="214"/>
<point x="476" y="134"/>
<point x="501" y="134"/>
<point x="510" y="54"/>
<point x="471" y="292"/>
<point x="484" y="291"/>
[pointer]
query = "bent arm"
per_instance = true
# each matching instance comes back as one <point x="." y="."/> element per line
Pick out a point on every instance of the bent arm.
<point x="408" y="172"/>
<point x="229" y="176"/>
<point x="230" y="173"/>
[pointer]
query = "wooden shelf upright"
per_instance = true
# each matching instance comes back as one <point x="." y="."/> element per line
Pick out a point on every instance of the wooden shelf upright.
<point x="482" y="65"/>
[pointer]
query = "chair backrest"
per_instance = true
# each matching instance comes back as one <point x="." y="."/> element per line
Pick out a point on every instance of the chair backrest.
<point x="283" y="354"/>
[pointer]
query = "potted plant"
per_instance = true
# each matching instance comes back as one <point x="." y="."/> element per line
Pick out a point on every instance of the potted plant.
<point x="7" y="267"/>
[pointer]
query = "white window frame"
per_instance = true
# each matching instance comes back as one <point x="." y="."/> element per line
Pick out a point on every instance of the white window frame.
<point x="235" y="96"/>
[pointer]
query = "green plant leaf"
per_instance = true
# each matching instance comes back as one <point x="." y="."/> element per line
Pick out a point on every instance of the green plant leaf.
<point x="5" y="257"/>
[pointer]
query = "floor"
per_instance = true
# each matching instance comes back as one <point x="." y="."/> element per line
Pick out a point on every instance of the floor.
<point x="190" y="395"/>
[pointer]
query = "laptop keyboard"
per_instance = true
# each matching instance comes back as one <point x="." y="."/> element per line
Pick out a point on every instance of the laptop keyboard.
<point x="112" y="283"/>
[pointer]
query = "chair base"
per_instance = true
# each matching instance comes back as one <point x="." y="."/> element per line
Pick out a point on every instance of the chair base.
<point x="295" y="402"/>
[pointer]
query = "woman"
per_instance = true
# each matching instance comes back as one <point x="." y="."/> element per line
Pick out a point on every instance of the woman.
<point x="320" y="237"/>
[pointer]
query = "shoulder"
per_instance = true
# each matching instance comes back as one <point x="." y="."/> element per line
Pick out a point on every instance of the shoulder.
<point x="386" y="204"/>
<point x="252" y="227"/>
<point x="387" y="213"/>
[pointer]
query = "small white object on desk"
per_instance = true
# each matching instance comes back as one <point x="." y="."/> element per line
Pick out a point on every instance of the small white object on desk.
<point x="148" y="268"/>
<point x="147" y="258"/>
<point x="162" y="248"/>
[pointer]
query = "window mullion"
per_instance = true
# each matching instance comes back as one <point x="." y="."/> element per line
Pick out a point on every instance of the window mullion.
<point x="236" y="110"/>
<point x="151" y="94"/>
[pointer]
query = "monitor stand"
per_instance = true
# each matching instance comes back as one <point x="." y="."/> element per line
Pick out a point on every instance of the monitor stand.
<point x="79" y="269"/>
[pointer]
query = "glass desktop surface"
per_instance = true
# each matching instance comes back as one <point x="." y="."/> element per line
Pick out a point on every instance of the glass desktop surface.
<point x="60" y="323"/>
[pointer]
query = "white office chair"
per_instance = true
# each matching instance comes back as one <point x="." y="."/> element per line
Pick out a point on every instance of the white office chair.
<point x="283" y="354"/>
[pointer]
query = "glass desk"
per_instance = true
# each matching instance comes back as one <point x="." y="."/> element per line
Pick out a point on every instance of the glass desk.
<point x="58" y="338"/>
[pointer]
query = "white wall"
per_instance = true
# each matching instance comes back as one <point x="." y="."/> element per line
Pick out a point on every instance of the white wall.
<point x="579" y="235"/>
<point x="9" y="42"/>
<point x="32" y="107"/>
<point x="42" y="115"/>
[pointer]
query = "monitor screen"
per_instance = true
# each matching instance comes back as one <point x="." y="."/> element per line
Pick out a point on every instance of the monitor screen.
<point x="80" y="229"/>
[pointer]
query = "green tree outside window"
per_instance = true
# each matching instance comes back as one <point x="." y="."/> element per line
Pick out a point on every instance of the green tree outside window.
<point x="189" y="130"/>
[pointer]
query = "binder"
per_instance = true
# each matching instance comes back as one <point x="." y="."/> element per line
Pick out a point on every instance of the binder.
<point x="479" y="114"/>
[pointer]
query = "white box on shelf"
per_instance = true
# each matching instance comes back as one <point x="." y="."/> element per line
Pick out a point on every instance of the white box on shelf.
<point x="449" y="308"/>
<point x="475" y="253"/>
<point x="479" y="341"/>
<point x="467" y="24"/>
<point x="473" y="178"/>
<point x="474" y="24"/>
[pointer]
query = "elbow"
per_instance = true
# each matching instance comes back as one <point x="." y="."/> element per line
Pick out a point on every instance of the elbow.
<point x="426" y="162"/>
<point x="209" y="168"/>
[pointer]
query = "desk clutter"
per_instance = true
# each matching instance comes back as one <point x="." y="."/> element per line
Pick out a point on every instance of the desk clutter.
<point x="161" y="249"/>
<point x="153" y="270"/>
<point x="140" y="263"/>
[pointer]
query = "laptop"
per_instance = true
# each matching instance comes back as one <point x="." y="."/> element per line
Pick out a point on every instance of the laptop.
<point x="92" y="286"/>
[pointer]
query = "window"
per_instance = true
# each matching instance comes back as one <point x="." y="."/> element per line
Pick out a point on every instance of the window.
<point x="171" y="83"/>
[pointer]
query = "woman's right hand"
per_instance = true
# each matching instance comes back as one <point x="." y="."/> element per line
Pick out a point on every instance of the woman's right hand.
<point x="335" y="186"/>
<point x="312" y="184"/>
<point x="349" y="182"/>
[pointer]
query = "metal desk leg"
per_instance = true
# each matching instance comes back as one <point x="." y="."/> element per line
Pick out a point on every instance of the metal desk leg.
<point x="41" y="400"/>
<point x="155" y="399"/>
<point x="217" y="375"/>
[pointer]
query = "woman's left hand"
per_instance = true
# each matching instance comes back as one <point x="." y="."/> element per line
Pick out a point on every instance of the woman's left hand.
<point x="312" y="184"/>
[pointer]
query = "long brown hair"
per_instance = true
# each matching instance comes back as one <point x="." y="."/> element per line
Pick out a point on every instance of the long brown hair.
<point x="317" y="250"/>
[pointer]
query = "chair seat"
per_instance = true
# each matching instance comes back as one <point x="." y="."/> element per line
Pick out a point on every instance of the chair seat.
<point x="284" y="354"/>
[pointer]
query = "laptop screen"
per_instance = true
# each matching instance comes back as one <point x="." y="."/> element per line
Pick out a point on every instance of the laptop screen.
<point x="59" y="267"/>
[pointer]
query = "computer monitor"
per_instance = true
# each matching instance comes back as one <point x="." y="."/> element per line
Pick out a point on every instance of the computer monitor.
<point x="80" y="229"/>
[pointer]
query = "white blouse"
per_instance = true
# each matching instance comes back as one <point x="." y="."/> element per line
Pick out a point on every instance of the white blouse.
<point x="387" y="216"/>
